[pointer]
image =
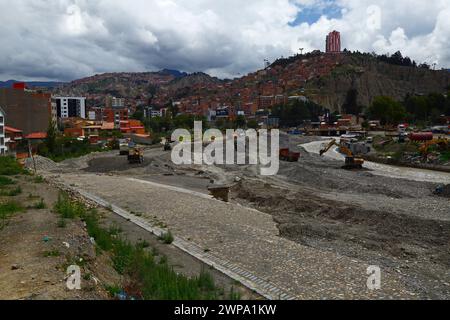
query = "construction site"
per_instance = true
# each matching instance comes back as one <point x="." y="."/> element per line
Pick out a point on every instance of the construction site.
<point x="309" y="232"/>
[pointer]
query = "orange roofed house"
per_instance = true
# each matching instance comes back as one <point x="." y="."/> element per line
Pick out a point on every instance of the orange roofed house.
<point x="132" y="127"/>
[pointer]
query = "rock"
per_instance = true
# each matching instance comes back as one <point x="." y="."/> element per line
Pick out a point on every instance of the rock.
<point x="15" y="267"/>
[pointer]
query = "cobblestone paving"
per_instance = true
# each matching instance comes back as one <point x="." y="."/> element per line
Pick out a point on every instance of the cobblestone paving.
<point x="245" y="238"/>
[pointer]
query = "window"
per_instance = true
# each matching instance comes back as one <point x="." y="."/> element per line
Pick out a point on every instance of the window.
<point x="1" y="119"/>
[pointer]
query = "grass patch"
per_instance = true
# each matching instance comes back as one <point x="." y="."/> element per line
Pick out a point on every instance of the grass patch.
<point x="52" y="253"/>
<point x="167" y="237"/>
<point x="68" y="209"/>
<point x="153" y="278"/>
<point x="38" y="179"/>
<point x="39" y="205"/>
<point x="10" y="167"/>
<point x="7" y="210"/>
<point x="5" y="181"/>
<point x="12" y="192"/>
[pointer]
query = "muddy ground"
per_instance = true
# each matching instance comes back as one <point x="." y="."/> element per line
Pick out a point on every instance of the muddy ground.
<point x="397" y="224"/>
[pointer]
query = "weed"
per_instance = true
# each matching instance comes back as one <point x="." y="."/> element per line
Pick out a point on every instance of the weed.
<point x="9" y="208"/>
<point x="15" y="192"/>
<point x="87" y="276"/>
<point x="62" y="223"/>
<point x="113" y="290"/>
<point x="10" y="167"/>
<point x="66" y="208"/>
<point x="40" y="205"/>
<point x="11" y="193"/>
<point x="5" y="181"/>
<point x="153" y="279"/>
<point x="206" y="281"/>
<point x="38" y="179"/>
<point x="166" y="237"/>
<point x="234" y="295"/>
<point x="53" y="253"/>
<point x="143" y="244"/>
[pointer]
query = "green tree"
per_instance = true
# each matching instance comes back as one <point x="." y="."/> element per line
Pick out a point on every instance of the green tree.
<point x="387" y="110"/>
<point x="50" y="141"/>
<point x="252" y="124"/>
<point x="240" y="122"/>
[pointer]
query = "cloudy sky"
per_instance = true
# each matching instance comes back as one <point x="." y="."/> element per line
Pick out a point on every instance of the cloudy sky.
<point x="70" y="39"/>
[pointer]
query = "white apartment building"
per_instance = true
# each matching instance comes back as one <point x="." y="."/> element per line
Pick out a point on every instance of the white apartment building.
<point x="3" y="148"/>
<point x="70" y="107"/>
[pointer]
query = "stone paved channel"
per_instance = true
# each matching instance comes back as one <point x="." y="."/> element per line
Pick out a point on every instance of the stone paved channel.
<point x="239" y="241"/>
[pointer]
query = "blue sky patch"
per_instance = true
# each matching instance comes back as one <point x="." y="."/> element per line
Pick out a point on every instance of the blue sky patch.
<point x="311" y="14"/>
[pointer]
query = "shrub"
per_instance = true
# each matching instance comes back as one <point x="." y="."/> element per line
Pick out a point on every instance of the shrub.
<point x="167" y="237"/>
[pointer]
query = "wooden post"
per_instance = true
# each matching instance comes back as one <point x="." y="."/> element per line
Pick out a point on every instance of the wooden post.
<point x="31" y="156"/>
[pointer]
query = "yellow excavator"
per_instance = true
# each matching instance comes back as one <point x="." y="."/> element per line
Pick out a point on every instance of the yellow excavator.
<point x="441" y="143"/>
<point x="351" y="162"/>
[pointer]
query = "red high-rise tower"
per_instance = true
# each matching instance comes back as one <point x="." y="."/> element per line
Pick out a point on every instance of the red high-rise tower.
<point x="333" y="43"/>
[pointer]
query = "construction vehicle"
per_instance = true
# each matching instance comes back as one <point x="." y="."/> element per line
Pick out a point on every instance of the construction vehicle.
<point x="136" y="156"/>
<point x="289" y="156"/>
<point x="124" y="148"/>
<point x="351" y="162"/>
<point x="441" y="143"/>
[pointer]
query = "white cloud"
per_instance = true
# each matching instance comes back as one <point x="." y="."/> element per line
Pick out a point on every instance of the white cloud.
<point x="67" y="39"/>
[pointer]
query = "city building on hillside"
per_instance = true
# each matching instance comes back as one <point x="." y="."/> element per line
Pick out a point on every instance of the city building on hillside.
<point x="333" y="42"/>
<point x="70" y="107"/>
<point x="115" y="116"/>
<point x="150" y="112"/>
<point x="2" y="132"/>
<point x="27" y="110"/>
<point x="115" y="103"/>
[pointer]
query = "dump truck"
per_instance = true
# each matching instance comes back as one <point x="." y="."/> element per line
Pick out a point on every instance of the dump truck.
<point x="124" y="148"/>
<point x="351" y="162"/>
<point x="288" y="155"/>
<point x="136" y="155"/>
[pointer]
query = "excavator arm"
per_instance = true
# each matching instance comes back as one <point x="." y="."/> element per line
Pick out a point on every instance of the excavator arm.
<point x="351" y="162"/>
<point x="328" y="147"/>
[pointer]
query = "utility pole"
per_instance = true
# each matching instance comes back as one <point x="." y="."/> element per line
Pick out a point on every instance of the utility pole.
<point x="301" y="50"/>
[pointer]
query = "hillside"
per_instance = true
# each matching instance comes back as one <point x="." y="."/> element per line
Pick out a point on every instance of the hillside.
<point x="323" y="78"/>
<point x="372" y="78"/>
<point x="126" y="84"/>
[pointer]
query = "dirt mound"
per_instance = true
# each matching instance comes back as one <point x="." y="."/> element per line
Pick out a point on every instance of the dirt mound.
<point x="42" y="164"/>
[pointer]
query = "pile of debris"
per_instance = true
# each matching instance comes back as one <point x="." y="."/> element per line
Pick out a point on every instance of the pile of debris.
<point x="41" y="164"/>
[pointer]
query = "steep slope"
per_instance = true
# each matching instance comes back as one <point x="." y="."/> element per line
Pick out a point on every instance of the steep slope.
<point x="372" y="78"/>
